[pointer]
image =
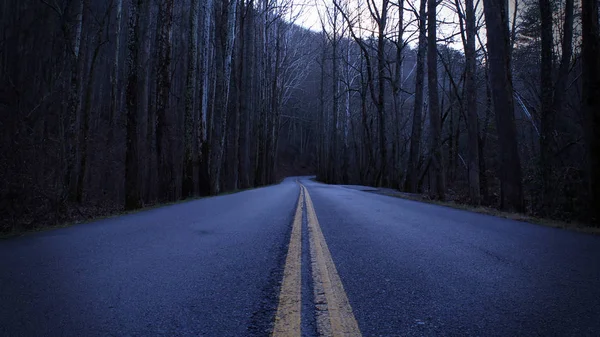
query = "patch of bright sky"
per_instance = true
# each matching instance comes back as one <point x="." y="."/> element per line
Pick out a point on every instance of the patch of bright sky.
<point x="310" y="13"/>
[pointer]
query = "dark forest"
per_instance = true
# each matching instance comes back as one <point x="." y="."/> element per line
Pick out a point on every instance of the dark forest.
<point x="110" y="106"/>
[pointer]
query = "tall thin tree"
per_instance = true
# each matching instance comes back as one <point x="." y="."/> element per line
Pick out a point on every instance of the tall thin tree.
<point x="164" y="130"/>
<point x="500" y="73"/>
<point x="547" y="113"/>
<point x="132" y="182"/>
<point x="219" y="146"/>
<point x="190" y="166"/>
<point x="591" y="98"/>
<point x="471" y="92"/>
<point x="414" y="157"/>
<point x="437" y="188"/>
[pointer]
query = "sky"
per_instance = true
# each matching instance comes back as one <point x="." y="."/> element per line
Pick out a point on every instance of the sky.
<point x="309" y="17"/>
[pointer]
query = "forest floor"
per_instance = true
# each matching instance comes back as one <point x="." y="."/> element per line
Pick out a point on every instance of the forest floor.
<point x="579" y="227"/>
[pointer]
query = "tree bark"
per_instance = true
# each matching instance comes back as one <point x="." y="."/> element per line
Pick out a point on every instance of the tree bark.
<point x="321" y="158"/>
<point x="202" y="141"/>
<point x="74" y="100"/>
<point x="591" y="99"/>
<point x="86" y="114"/>
<point x="190" y="166"/>
<point x="547" y="113"/>
<point x="414" y="157"/>
<point x="565" y="62"/>
<point x="496" y="15"/>
<point x="246" y="95"/>
<point x="163" y="85"/>
<point x="437" y="188"/>
<point x="114" y="79"/>
<point x="132" y="189"/>
<point x="335" y="83"/>
<point x="381" y="24"/>
<point x="261" y="130"/>
<point x="219" y="147"/>
<point x="146" y="107"/>
<point x="240" y="93"/>
<point x="397" y="87"/>
<point x="471" y="92"/>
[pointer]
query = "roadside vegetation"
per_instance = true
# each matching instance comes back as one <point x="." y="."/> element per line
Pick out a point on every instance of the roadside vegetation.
<point x="110" y="106"/>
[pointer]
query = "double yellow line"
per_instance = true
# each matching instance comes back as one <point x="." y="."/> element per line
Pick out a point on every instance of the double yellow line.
<point x="335" y="317"/>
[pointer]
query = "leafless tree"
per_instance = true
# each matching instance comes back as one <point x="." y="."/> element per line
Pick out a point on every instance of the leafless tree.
<point x="496" y="16"/>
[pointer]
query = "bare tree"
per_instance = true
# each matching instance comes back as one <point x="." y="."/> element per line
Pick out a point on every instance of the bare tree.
<point x="225" y="78"/>
<point x="471" y="92"/>
<point x="114" y="93"/>
<point x="437" y="188"/>
<point x="132" y="188"/>
<point x="64" y="104"/>
<point x="412" y="176"/>
<point x="191" y="166"/>
<point x="565" y="61"/>
<point x="380" y="15"/>
<point x="496" y="16"/>
<point x="332" y="28"/>
<point x="87" y="106"/>
<point x="591" y="98"/>
<point x="75" y="97"/>
<point x="207" y="10"/>
<point x="203" y="82"/>
<point x="547" y="113"/>
<point x="164" y="120"/>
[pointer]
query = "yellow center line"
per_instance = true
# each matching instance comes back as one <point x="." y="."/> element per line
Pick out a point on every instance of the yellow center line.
<point x="334" y="314"/>
<point x="287" y="319"/>
<point x="327" y="282"/>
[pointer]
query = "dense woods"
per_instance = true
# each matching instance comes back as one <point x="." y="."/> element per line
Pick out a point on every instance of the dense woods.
<point x="115" y="105"/>
<point x="490" y="103"/>
<point x="112" y="105"/>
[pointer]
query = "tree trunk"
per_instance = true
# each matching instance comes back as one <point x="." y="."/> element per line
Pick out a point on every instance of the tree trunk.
<point x="259" y="167"/>
<point x="74" y="100"/>
<point x="202" y="141"/>
<point x="471" y="92"/>
<point x="382" y="22"/>
<point x="414" y="157"/>
<point x="565" y="63"/>
<point x="496" y="15"/>
<point x="321" y="158"/>
<point x="86" y="116"/>
<point x="224" y="96"/>
<point x="146" y="107"/>
<point x="114" y="77"/>
<point x="438" y="184"/>
<point x="240" y="93"/>
<point x="547" y="113"/>
<point x="163" y="85"/>
<point x="333" y="158"/>
<point x="347" y="116"/>
<point x="132" y="189"/>
<point x="483" y="178"/>
<point x="397" y="86"/>
<point x="190" y="166"/>
<point x="276" y="93"/>
<point x="247" y="96"/>
<point x="591" y="99"/>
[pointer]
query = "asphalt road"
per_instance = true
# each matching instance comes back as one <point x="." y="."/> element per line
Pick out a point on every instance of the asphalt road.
<point x="213" y="267"/>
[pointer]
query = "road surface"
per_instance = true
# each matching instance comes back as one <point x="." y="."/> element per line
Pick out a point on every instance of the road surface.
<point x="302" y="259"/>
